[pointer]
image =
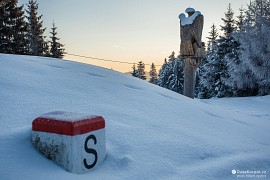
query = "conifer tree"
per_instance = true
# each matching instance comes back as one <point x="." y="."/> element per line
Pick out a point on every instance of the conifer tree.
<point x="227" y="53"/>
<point x="12" y="28"/>
<point x="206" y="79"/>
<point x="172" y="57"/>
<point x="37" y="44"/>
<point x="153" y="74"/>
<point x="215" y="73"/>
<point x="57" y="50"/>
<point x="213" y="34"/>
<point x="209" y="75"/>
<point x="134" y="72"/>
<point x="177" y="78"/>
<point x="19" y="29"/>
<point x="240" y="21"/>
<point x="253" y="73"/>
<point x="4" y="29"/>
<point x="141" y="70"/>
<point x="229" y="22"/>
<point x="163" y="75"/>
<point x="166" y="71"/>
<point x="171" y="74"/>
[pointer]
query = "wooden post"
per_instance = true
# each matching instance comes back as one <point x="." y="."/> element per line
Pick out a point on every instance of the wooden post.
<point x="190" y="77"/>
<point x="191" y="47"/>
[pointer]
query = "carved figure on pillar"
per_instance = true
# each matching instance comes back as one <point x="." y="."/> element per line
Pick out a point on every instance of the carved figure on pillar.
<point x="191" y="47"/>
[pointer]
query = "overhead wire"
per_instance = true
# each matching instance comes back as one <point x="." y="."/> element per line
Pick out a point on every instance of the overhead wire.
<point x="107" y="60"/>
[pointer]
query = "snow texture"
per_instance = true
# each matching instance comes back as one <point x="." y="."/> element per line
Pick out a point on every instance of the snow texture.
<point x="151" y="132"/>
<point x="190" y="10"/>
<point x="66" y="116"/>
<point x="188" y="20"/>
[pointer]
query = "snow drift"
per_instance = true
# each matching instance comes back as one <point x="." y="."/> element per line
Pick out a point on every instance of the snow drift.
<point x="152" y="133"/>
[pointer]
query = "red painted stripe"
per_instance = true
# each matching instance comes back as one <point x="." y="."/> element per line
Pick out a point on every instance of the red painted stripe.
<point x="67" y="127"/>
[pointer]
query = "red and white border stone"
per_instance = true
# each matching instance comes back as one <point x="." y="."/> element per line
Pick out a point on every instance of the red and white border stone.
<point x="74" y="141"/>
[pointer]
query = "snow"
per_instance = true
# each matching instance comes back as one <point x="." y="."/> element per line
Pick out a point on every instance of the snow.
<point x="190" y="10"/>
<point x="188" y="20"/>
<point x="66" y="116"/>
<point x="151" y="132"/>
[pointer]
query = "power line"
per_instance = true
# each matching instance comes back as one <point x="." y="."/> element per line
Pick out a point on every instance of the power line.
<point x="107" y="60"/>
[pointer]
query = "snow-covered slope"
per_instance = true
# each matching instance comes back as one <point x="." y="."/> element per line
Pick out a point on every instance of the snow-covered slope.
<point x="152" y="133"/>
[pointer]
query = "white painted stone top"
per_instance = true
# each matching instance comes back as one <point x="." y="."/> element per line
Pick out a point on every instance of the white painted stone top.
<point x="188" y="20"/>
<point x="66" y="116"/>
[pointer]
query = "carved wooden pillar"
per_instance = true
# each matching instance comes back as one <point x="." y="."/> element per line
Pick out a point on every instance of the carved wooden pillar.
<point x="190" y="76"/>
<point x="191" y="47"/>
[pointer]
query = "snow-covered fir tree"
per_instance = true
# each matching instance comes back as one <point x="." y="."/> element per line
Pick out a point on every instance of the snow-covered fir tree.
<point x="163" y="75"/>
<point x="166" y="71"/>
<point x="206" y="82"/>
<point x="57" y="50"/>
<point x="153" y="74"/>
<point x="177" y="79"/>
<point x="37" y="44"/>
<point x="12" y="28"/>
<point x="254" y="67"/>
<point x="227" y="52"/>
<point x="141" y="70"/>
<point x="213" y="34"/>
<point x="240" y="19"/>
<point x="214" y="73"/>
<point x="171" y="74"/>
<point x="208" y="73"/>
<point x="229" y="22"/>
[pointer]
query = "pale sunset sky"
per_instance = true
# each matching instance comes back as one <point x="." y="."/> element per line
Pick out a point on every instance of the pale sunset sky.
<point x="126" y="30"/>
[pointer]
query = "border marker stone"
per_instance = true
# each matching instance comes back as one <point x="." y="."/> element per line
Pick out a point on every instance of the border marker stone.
<point x="74" y="141"/>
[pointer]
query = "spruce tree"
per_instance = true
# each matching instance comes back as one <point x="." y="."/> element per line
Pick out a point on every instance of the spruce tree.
<point x="241" y="18"/>
<point x="141" y="70"/>
<point x="5" y="31"/>
<point x="206" y="72"/>
<point x="153" y="74"/>
<point x="163" y="75"/>
<point x="134" y="72"/>
<point x="227" y="53"/>
<point x="37" y="44"/>
<point x="215" y="73"/>
<point x="229" y="22"/>
<point x="171" y="74"/>
<point x="213" y="34"/>
<point x="57" y="50"/>
<point x="175" y="74"/>
<point x="255" y="49"/>
<point x="209" y="74"/>
<point x="12" y="28"/>
<point x="19" y="30"/>
<point x="166" y="71"/>
<point x="177" y="79"/>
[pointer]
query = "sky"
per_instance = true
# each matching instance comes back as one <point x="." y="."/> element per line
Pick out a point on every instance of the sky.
<point x="125" y="30"/>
